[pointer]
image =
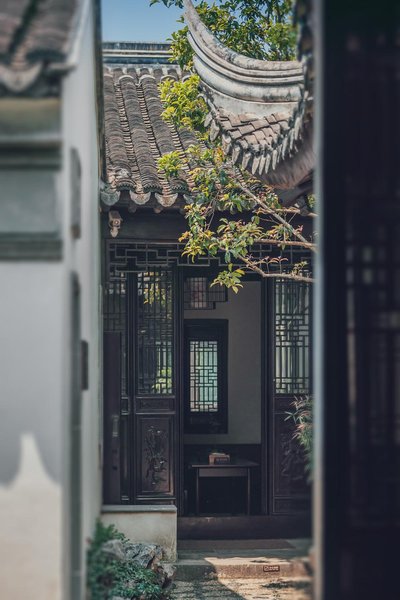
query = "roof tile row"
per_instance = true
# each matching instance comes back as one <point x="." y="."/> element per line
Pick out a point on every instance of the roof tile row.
<point x="137" y="136"/>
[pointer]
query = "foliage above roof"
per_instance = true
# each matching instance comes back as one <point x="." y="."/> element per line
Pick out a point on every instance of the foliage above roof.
<point x="255" y="28"/>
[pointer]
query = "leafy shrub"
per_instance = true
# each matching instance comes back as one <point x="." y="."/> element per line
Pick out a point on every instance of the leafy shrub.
<point x="108" y="577"/>
<point x="302" y="415"/>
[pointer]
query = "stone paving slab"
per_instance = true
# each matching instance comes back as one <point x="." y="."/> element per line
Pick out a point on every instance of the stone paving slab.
<point x="243" y="589"/>
<point x="211" y="567"/>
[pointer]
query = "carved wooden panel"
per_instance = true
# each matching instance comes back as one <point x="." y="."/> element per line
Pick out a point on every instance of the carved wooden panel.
<point x="155" y="457"/>
<point x="155" y="404"/>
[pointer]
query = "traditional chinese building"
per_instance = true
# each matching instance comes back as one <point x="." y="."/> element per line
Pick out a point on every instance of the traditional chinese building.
<point x="188" y="368"/>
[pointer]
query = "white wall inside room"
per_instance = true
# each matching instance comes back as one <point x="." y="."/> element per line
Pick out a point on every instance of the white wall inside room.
<point x="243" y="311"/>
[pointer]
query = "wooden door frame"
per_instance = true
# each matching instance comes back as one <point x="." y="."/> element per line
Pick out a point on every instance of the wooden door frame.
<point x="123" y="254"/>
<point x="266" y="395"/>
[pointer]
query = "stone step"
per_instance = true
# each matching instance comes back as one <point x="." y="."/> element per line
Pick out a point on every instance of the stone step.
<point x="231" y="567"/>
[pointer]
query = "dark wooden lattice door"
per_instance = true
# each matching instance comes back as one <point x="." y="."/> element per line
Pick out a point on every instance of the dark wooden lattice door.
<point x="140" y="388"/>
<point x="288" y="377"/>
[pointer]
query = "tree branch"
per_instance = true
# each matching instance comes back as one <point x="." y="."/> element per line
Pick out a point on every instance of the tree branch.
<point x="272" y="212"/>
<point x="274" y="242"/>
<point x="253" y="267"/>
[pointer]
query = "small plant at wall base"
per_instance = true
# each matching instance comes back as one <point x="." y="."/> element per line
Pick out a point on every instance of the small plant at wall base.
<point x="109" y="577"/>
<point x="302" y="415"/>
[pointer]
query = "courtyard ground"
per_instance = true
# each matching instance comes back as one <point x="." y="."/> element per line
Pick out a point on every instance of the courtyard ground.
<point x="243" y="570"/>
<point x="243" y="589"/>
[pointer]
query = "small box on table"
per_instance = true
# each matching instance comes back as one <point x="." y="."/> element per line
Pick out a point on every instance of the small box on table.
<point x="219" y="458"/>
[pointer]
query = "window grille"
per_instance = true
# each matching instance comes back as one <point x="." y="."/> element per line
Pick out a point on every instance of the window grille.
<point x="203" y="373"/>
<point x="115" y="317"/>
<point x="206" y="375"/>
<point x="292" y="337"/>
<point x="199" y="295"/>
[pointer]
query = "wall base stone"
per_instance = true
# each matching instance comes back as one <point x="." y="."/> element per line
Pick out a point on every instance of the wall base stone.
<point x="155" y="524"/>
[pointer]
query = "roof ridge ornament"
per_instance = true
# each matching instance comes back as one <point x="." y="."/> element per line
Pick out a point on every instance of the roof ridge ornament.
<point x="108" y="195"/>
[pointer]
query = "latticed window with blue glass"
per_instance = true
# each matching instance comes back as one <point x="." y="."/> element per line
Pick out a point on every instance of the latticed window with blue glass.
<point x="206" y="375"/>
<point x="292" y="337"/>
<point x="203" y="374"/>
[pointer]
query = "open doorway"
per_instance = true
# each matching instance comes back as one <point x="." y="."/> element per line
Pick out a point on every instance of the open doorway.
<point x="222" y="401"/>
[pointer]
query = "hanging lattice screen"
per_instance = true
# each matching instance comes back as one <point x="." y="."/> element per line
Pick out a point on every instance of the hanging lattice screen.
<point x="292" y="337"/>
<point x="154" y="332"/>
<point x="205" y="401"/>
<point x="373" y="338"/>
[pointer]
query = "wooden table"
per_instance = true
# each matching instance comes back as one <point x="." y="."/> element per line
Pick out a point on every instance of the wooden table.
<point x="236" y="468"/>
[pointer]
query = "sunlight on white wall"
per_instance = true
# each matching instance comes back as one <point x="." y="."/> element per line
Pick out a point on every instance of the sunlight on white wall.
<point x="30" y="536"/>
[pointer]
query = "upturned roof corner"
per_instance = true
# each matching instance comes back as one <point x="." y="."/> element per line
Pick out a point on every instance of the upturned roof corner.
<point x="261" y="109"/>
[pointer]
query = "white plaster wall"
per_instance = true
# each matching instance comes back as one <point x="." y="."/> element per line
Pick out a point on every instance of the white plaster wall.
<point x="32" y="317"/>
<point x="149" y="524"/>
<point x="35" y="372"/>
<point x="83" y="257"/>
<point x="243" y="311"/>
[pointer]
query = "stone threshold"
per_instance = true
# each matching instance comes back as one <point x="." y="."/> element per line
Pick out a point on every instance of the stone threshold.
<point x="138" y="508"/>
<point x="242" y="568"/>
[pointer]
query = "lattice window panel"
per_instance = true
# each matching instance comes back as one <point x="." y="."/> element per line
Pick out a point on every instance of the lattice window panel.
<point x="373" y="347"/>
<point x="199" y="295"/>
<point x="203" y="375"/>
<point x="132" y="257"/>
<point x="292" y="337"/>
<point x="115" y="318"/>
<point x="155" y="336"/>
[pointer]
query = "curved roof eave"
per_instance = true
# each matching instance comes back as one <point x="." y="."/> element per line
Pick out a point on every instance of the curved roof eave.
<point x="260" y="108"/>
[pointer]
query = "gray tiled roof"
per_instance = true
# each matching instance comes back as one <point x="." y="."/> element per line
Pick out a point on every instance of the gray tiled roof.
<point x="34" y="36"/>
<point x="137" y="135"/>
<point x="255" y="143"/>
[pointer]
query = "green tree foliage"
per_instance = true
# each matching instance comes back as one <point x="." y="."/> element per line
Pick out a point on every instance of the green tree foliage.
<point x="183" y="105"/>
<point x="260" y="29"/>
<point x="256" y="28"/>
<point x="219" y="188"/>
